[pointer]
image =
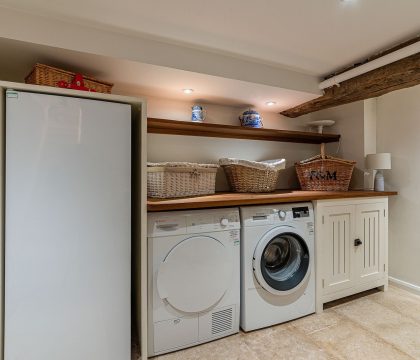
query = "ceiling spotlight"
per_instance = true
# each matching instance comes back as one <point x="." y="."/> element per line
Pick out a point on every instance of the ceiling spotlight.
<point x="270" y="103"/>
<point x="187" y="91"/>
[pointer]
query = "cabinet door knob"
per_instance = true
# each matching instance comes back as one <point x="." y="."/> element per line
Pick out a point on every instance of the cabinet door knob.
<point x="358" y="242"/>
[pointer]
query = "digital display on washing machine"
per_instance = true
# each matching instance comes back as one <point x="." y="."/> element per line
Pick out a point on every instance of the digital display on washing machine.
<point x="300" y="212"/>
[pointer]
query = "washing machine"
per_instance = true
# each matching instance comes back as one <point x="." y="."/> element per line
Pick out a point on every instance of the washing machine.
<point x="277" y="264"/>
<point x="193" y="277"/>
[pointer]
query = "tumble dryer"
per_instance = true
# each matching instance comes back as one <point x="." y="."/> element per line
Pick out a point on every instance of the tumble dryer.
<point x="194" y="280"/>
<point x="277" y="264"/>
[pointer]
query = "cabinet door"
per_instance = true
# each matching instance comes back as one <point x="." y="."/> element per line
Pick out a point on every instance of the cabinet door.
<point x="336" y="237"/>
<point x="370" y="251"/>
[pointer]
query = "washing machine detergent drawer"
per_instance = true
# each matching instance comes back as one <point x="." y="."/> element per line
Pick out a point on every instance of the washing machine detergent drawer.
<point x="175" y="333"/>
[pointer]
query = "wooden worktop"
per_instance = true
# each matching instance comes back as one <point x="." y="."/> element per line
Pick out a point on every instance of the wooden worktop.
<point x="239" y="199"/>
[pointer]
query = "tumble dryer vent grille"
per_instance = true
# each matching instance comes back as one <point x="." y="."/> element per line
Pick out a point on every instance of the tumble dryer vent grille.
<point x="221" y="321"/>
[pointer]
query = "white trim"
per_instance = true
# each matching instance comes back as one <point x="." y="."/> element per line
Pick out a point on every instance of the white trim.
<point x="405" y="285"/>
<point x="2" y="214"/>
<point x="135" y="101"/>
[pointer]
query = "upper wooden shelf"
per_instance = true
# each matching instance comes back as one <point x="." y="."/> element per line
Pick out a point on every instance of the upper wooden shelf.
<point x="238" y="199"/>
<point x="174" y="127"/>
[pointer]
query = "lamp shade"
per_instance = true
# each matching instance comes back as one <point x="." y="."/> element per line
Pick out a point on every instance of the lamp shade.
<point x="381" y="161"/>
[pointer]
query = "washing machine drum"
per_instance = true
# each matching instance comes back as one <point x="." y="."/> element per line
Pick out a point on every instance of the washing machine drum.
<point x="195" y="274"/>
<point x="281" y="262"/>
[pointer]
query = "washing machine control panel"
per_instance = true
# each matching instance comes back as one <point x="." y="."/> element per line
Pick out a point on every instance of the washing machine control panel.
<point x="300" y="212"/>
<point x="278" y="214"/>
<point x="282" y="214"/>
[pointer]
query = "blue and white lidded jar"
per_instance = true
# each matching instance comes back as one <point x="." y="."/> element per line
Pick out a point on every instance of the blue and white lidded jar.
<point x="198" y="113"/>
<point x="251" y="118"/>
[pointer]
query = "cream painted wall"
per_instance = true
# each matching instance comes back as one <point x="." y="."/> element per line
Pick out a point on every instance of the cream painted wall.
<point x="398" y="132"/>
<point x="355" y="122"/>
<point x="370" y="123"/>
<point x="202" y="149"/>
<point x="350" y="124"/>
<point x="217" y="114"/>
<point x="112" y="42"/>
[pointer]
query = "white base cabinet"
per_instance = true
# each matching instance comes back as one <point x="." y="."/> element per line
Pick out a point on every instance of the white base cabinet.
<point x="351" y="247"/>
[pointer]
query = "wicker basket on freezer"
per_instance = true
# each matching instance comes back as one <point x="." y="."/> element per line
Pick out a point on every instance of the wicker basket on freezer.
<point x="179" y="179"/>
<point x="324" y="173"/>
<point x="252" y="176"/>
<point x="49" y="76"/>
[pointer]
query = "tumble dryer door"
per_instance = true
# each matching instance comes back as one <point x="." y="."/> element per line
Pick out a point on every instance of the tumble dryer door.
<point x="195" y="274"/>
<point x="281" y="261"/>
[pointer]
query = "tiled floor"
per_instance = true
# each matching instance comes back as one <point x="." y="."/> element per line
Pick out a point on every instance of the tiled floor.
<point x="375" y="326"/>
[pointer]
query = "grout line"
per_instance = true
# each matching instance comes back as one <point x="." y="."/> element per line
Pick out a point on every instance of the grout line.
<point x="325" y="349"/>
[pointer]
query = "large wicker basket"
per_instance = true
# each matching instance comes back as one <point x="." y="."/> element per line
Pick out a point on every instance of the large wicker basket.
<point x="324" y="173"/>
<point x="179" y="179"/>
<point x="49" y="76"/>
<point x="252" y="176"/>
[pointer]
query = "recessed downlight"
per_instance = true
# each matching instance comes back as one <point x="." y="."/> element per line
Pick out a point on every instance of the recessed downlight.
<point x="188" y="91"/>
<point x="270" y="103"/>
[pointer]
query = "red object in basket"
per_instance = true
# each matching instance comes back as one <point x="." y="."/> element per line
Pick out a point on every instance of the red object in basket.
<point x="76" y="84"/>
<point x="63" y="84"/>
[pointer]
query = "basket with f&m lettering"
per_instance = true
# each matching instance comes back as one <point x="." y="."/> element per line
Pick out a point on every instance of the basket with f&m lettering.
<point x="324" y="173"/>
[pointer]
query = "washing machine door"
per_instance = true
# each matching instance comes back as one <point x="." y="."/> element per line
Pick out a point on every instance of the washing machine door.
<point x="195" y="274"/>
<point x="281" y="261"/>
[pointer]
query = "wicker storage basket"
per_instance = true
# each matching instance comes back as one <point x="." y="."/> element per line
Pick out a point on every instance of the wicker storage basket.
<point x="252" y="176"/>
<point x="49" y="76"/>
<point x="179" y="179"/>
<point x="324" y="173"/>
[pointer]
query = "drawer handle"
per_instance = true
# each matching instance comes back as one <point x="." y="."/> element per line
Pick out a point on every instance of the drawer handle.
<point x="358" y="242"/>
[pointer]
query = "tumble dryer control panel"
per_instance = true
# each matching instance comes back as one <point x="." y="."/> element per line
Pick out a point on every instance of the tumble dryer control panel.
<point x="192" y="222"/>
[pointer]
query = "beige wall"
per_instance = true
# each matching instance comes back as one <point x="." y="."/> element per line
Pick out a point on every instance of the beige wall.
<point x="202" y="149"/>
<point x="350" y="124"/>
<point x="97" y="39"/>
<point x="370" y="125"/>
<point x="398" y="132"/>
<point x="355" y="122"/>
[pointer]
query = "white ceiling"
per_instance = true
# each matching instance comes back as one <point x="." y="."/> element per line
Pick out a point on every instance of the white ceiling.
<point x="313" y="36"/>
<point x="134" y="78"/>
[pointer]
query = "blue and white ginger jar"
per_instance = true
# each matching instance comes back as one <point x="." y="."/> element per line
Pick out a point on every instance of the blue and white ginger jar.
<point x="251" y="118"/>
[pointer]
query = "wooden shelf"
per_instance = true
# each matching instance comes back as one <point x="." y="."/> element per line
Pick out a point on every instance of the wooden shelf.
<point x="238" y="199"/>
<point x="173" y="127"/>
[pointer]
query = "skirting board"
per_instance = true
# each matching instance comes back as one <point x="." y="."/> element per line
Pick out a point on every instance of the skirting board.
<point x="405" y="285"/>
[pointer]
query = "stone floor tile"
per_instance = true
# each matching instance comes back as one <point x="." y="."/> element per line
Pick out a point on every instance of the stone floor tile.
<point x="392" y="326"/>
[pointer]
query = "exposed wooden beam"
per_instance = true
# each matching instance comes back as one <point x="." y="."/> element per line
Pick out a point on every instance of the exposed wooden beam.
<point x="397" y="75"/>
